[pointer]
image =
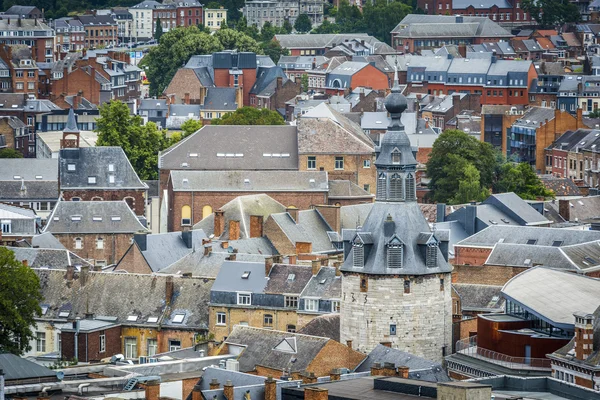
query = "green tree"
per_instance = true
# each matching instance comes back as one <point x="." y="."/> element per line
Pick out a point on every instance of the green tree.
<point x="233" y="40"/>
<point x="594" y="114"/>
<point x="451" y="153"/>
<point x="550" y="13"/>
<point x="273" y="49"/>
<point x="250" y="116"/>
<point x="141" y="143"/>
<point x="303" y="23"/>
<point x="379" y="18"/>
<point x="349" y="18"/>
<point x="522" y="180"/>
<point x="20" y="299"/>
<point x="189" y="127"/>
<point x="158" y="30"/>
<point x="304" y="81"/>
<point x="267" y="32"/>
<point x="10" y="153"/>
<point x="286" y="27"/>
<point x="469" y="187"/>
<point x="327" y="27"/>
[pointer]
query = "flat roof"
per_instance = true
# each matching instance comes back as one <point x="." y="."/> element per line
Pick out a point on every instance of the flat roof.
<point x="52" y="139"/>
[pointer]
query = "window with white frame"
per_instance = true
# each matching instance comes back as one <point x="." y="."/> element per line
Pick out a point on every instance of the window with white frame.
<point x="40" y="342"/>
<point x="339" y="162"/>
<point x="78" y="243"/>
<point x="311" y="304"/>
<point x="102" y="342"/>
<point x="335" y="306"/>
<point x="244" y="299"/>
<point x="6" y="225"/>
<point x="131" y="348"/>
<point x="152" y="347"/>
<point x="291" y="301"/>
<point x="100" y="243"/>
<point x="221" y="318"/>
<point x="174" y="345"/>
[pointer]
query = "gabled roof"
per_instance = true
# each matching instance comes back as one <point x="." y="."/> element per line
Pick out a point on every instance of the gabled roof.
<point x="220" y="98"/>
<point x="18" y="368"/>
<point x="317" y="41"/>
<point x="344" y="189"/>
<point x="48" y="258"/>
<point x="93" y="217"/>
<point x="422" y="26"/>
<point x="28" y="190"/>
<point x="265" y="76"/>
<point x="231" y="278"/>
<point x="210" y="147"/>
<point x="325" y="285"/>
<point x="479" y="298"/>
<point x="46" y="240"/>
<point x="288" y="279"/>
<point x="491" y="235"/>
<point x="523" y="255"/>
<point x="101" y="163"/>
<point x="309" y="227"/>
<point x="164" y="249"/>
<point x="8" y="211"/>
<point x="326" y="325"/>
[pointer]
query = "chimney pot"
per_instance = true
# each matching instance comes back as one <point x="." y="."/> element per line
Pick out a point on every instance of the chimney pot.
<point x="293" y="212"/>
<point x="219" y="223"/>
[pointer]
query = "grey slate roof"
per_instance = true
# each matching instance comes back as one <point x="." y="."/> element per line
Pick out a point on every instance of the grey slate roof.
<point x="208" y="149"/>
<point x="479" y="4"/>
<point x="230" y="278"/>
<point x="223" y="375"/>
<point x="430" y="370"/>
<point x="28" y="190"/>
<point x="281" y="280"/>
<point x="339" y="189"/>
<point x="327" y="325"/>
<point x="30" y="169"/>
<point x="525" y="256"/>
<point x="310" y="227"/>
<point x="18" y="368"/>
<point x="521" y="234"/>
<point x="480" y="298"/>
<point x="325" y="285"/>
<point x="48" y="258"/>
<point x="184" y="110"/>
<point x="265" y="77"/>
<point x="46" y="240"/>
<point x="535" y="117"/>
<point x="123" y="295"/>
<point x="249" y="181"/>
<point x="220" y="98"/>
<point x="419" y="25"/>
<point x="164" y="249"/>
<point x="116" y="217"/>
<point x="317" y="41"/>
<point x="96" y="162"/>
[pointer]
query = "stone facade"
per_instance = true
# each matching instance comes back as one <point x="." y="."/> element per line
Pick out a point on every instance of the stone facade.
<point x="423" y="317"/>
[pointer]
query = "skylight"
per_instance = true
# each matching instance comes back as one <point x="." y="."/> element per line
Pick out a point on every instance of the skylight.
<point x="152" y="319"/>
<point x="44" y="310"/>
<point x="557" y="243"/>
<point x="64" y="314"/>
<point x="115" y="218"/>
<point x="76" y="218"/>
<point x="97" y="218"/>
<point x="246" y="275"/>
<point x="291" y="277"/>
<point x="132" y="318"/>
<point x="532" y="241"/>
<point x="178" y="318"/>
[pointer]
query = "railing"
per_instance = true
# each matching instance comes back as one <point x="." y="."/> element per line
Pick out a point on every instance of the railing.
<point x="469" y="348"/>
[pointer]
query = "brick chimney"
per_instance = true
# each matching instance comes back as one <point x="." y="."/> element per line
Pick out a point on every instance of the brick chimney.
<point x="403" y="372"/>
<point x="564" y="209"/>
<point x="219" y="223"/>
<point x="303" y="247"/>
<point x="152" y="390"/>
<point x="256" y="226"/>
<point x="268" y="265"/>
<point x="584" y="335"/>
<point x="349" y="343"/>
<point x="214" y="384"/>
<point x="309" y="378"/>
<point x="169" y="288"/>
<point x="335" y="374"/>
<point x="279" y="82"/>
<point x="84" y="274"/>
<point x="70" y="272"/>
<point x="228" y="390"/>
<point x="293" y="211"/>
<point x="234" y="230"/>
<point x="207" y="251"/>
<point x="389" y="369"/>
<point x="270" y="389"/>
<point x="376" y="369"/>
<point x="197" y="393"/>
<point x="316" y="266"/>
<point x="186" y="98"/>
<point x="315" y="393"/>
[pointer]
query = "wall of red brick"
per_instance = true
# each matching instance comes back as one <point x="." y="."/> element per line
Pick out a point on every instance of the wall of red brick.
<point x="136" y="198"/>
<point x="471" y="255"/>
<point x="184" y="81"/>
<point x="134" y="262"/>
<point x="89" y="345"/>
<point x="370" y="77"/>
<point x="115" y="245"/>
<point x="75" y="82"/>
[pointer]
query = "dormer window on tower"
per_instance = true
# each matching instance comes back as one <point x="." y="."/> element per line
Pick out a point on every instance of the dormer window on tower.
<point x="396" y="156"/>
<point x="358" y="254"/>
<point x="411" y="194"/>
<point x="432" y="252"/>
<point x="381" y="183"/>
<point x="395" y="253"/>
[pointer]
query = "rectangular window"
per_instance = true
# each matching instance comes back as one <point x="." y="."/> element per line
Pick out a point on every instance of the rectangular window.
<point x="30" y="85"/>
<point x="244" y="299"/>
<point x="152" y="347"/>
<point x="102" y="342"/>
<point x="312" y="162"/>
<point x="339" y="163"/>
<point x="291" y="301"/>
<point x="6" y="226"/>
<point x="335" y="306"/>
<point x="366" y="163"/>
<point x="407" y="286"/>
<point x="174" y="345"/>
<point x="40" y="341"/>
<point x="392" y="329"/>
<point x="131" y="348"/>
<point x="311" y="304"/>
<point x="92" y="180"/>
<point x="268" y="320"/>
<point x="221" y="318"/>
<point x="367" y="188"/>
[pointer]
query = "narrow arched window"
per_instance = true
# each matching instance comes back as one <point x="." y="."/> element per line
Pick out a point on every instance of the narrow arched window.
<point x="396" y="187"/>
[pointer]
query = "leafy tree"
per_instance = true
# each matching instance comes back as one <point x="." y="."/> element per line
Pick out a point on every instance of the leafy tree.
<point x="267" y="32"/>
<point x="273" y="49"/>
<point x="469" y="188"/>
<point x="327" y="27"/>
<point x="20" y="299"/>
<point x="233" y="40"/>
<point x="522" y="180"/>
<point x="349" y="18"/>
<point x="304" y="81"/>
<point x="550" y="13"/>
<point x="10" y="153"/>
<point x="381" y="17"/>
<point x="451" y="153"/>
<point x="286" y="27"/>
<point x="594" y="114"/>
<point x="189" y="127"/>
<point x="158" y="30"/>
<point x="303" y="23"/>
<point x="141" y="143"/>
<point x="250" y="116"/>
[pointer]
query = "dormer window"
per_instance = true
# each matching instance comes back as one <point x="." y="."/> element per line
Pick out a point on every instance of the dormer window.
<point x="395" y="253"/>
<point x="431" y="254"/>
<point x="396" y="156"/>
<point x="358" y="253"/>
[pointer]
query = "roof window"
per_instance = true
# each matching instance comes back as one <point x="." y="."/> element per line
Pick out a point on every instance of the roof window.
<point x="132" y="318"/>
<point x="246" y="275"/>
<point x="178" y="318"/>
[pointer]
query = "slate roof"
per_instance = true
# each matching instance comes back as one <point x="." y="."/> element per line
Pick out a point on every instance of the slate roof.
<point x="96" y="162"/>
<point x="124" y="295"/>
<point x="535" y="117"/>
<point x="310" y="227"/>
<point x="583" y="209"/>
<point x="230" y="278"/>
<point x="526" y="256"/>
<point x="567" y="352"/>
<point x="18" y="368"/>
<point x="48" y="258"/>
<point x="220" y="98"/>
<point x="249" y="181"/>
<point x="340" y="189"/>
<point x="28" y="190"/>
<point x="260" y="348"/>
<point x="480" y="298"/>
<point x="561" y="186"/>
<point x="223" y="375"/>
<point x="8" y="211"/>
<point x="153" y="188"/>
<point x="325" y="285"/>
<point x="327" y="325"/>
<point x="78" y="217"/>
<point x="318" y="41"/>
<point x="46" y="240"/>
<point x="96" y="20"/>
<point x="288" y="279"/>
<point x="554" y="295"/>
<point x="480" y="4"/>
<point x="240" y="209"/>
<point x="421" y="26"/>
<point x="208" y="149"/>
<point x="30" y="169"/>
<point x="489" y="236"/>
<point x="431" y="371"/>
<point x="267" y="77"/>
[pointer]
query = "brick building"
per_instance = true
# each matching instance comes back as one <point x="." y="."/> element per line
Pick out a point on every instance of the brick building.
<point x="23" y="68"/>
<point x="573" y="155"/>
<point x="507" y="13"/>
<point x="273" y="89"/>
<point x="96" y="339"/>
<point x="32" y="33"/>
<point x="14" y="134"/>
<point x="98" y="231"/>
<point x="353" y="74"/>
<point x="189" y="13"/>
<point x="319" y="44"/>
<point x="100" y="30"/>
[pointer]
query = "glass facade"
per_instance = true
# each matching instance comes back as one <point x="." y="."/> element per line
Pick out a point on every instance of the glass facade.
<point x="537" y="324"/>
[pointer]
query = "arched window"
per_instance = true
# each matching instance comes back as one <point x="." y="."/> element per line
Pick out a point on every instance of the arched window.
<point x="358" y="252"/>
<point x="78" y="243"/>
<point x="396" y="187"/>
<point x="206" y="211"/>
<point x="186" y="215"/>
<point x="381" y="186"/>
<point x="96" y="198"/>
<point x="395" y="253"/>
<point x="411" y="195"/>
<point x="396" y="156"/>
<point x="268" y="320"/>
<point x="100" y="243"/>
<point x="432" y="251"/>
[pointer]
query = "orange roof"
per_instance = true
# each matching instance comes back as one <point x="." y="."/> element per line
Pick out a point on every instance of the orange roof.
<point x="545" y="43"/>
<point x="547" y="32"/>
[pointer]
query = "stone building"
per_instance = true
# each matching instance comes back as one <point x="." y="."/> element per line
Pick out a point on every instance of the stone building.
<point x="278" y="11"/>
<point x="396" y="277"/>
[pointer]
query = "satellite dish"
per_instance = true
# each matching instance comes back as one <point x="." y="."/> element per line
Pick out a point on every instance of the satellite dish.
<point x="60" y="375"/>
<point x="230" y="249"/>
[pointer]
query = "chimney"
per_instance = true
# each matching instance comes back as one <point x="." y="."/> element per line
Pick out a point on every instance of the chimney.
<point x="335" y="375"/>
<point x="214" y="384"/>
<point x="315" y="393"/>
<point x="584" y="335"/>
<point x="440" y="212"/>
<point x="197" y="393"/>
<point x="234" y="230"/>
<point x="268" y="265"/>
<point x="470" y="219"/>
<point x="462" y="50"/>
<point x="293" y="259"/>
<point x="389" y="369"/>
<point x="207" y="251"/>
<point x="349" y="343"/>
<point x="386" y="344"/>
<point x="186" y="236"/>
<point x="169" y="288"/>
<point x="256" y="226"/>
<point x="376" y="369"/>
<point x="84" y="274"/>
<point x="564" y="209"/>
<point x="186" y="98"/>
<point x="270" y="389"/>
<point x="25" y="263"/>
<point x="277" y="259"/>
<point x="219" y="223"/>
<point x="309" y="378"/>
<point x="279" y="82"/>
<point x="44" y="396"/>
<point x="316" y="266"/>
<point x="152" y="391"/>
<point x="224" y="244"/>
<point x="459" y="19"/>
<point x="70" y="272"/>
<point x="293" y="212"/>
<point x="403" y="372"/>
<point x="228" y="390"/>
<point x="303" y="247"/>
<point x="314" y="63"/>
